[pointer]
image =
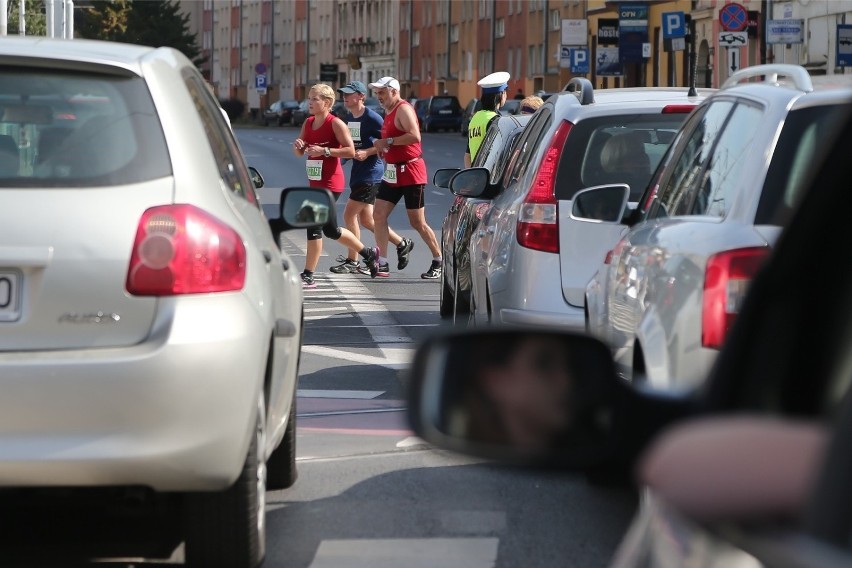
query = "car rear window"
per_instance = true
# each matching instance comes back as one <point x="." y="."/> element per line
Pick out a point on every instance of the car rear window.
<point x="806" y="134"/>
<point x="61" y="129"/>
<point x="615" y="149"/>
<point x="445" y="103"/>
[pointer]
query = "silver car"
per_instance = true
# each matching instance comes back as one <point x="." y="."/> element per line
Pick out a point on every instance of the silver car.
<point x="670" y="289"/>
<point x="531" y="258"/>
<point x="149" y="336"/>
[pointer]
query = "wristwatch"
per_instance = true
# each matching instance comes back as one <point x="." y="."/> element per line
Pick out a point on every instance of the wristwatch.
<point x="390" y="141"/>
<point x="327" y="152"/>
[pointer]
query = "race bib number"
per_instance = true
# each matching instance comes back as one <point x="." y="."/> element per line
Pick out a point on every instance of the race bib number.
<point x="314" y="169"/>
<point x="355" y="131"/>
<point x="390" y="173"/>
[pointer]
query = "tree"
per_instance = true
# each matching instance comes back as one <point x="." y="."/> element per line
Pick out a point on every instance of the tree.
<point x="34" y="19"/>
<point x="156" y="23"/>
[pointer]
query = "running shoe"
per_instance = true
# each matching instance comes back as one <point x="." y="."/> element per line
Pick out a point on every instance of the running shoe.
<point x="434" y="271"/>
<point x="347" y="266"/>
<point x="308" y="280"/>
<point x="403" y="249"/>
<point x="373" y="261"/>
<point x="384" y="270"/>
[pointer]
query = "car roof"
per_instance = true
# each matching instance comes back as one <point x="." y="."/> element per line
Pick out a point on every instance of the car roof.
<point x="620" y="101"/>
<point x="89" y="52"/>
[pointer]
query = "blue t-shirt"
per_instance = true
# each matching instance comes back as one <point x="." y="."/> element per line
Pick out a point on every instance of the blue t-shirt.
<point x="365" y="130"/>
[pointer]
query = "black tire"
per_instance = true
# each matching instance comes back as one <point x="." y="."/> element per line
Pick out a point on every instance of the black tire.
<point x="281" y="471"/>
<point x="227" y="529"/>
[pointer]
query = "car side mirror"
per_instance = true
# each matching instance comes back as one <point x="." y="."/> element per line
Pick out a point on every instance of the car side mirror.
<point x="535" y="397"/>
<point x="302" y="208"/>
<point x="443" y="176"/>
<point x="256" y="178"/>
<point x="602" y="203"/>
<point x="470" y="182"/>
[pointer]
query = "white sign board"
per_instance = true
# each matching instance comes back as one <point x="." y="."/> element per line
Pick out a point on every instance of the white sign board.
<point x="785" y="31"/>
<point x="734" y="59"/>
<point x="733" y="39"/>
<point x="575" y="32"/>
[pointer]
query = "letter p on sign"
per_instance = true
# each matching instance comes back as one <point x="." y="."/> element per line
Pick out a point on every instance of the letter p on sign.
<point x="674" y="25"/>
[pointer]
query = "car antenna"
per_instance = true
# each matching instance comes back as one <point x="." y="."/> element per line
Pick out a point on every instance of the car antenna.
<point x="691" y="27"/>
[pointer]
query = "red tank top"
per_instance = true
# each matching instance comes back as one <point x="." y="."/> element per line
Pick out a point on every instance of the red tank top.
<point x="324" y="172"/>
<point x="406" y="161"/>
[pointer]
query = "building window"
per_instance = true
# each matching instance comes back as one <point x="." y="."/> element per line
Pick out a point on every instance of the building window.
<point x="555" y="20"/>
<point x="454" y="33"/>
<point x="415" y="38"/>
<point x="500" y="28"/>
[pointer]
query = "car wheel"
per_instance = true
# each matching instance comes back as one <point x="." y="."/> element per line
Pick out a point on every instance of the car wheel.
<point x="281" y="471"/>
<point x="227" y="529"/>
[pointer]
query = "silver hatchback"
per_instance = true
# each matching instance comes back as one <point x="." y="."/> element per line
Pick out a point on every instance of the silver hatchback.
<point x="531" y="258"/>
<point x="149" y="337"/>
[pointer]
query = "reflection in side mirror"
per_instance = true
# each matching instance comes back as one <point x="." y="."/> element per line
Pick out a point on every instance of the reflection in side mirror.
<point x="470" y="182"/>
<point x="516" y="395"/>
<point x="306" y="207"/>
<point x="443" y="176"/>
<point x="256" y="178"/>
<point x="605" y="203"/>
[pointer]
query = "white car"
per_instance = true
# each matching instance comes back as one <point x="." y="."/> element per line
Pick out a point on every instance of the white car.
<point x="530" y="257"/>
<point x="670" y="289"/>
<point x="150" y="328"/>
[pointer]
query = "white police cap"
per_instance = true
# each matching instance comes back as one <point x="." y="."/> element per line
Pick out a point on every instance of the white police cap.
<point x="494" y="83"/>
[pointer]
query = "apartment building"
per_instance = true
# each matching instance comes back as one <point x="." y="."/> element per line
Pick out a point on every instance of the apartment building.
<point x="437" y="46"/>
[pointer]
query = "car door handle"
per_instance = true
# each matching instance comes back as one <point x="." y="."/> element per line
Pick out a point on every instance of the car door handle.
<point x="267" y="256"/>
<point x="285" y="264"/>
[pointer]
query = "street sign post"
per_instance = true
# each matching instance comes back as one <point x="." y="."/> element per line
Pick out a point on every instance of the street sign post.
<point x="579" y="57"/>
<point x="733" y="17"/>
<point x="785" y="31"/>
<point x="844" y="45"/>
<point x="733" y="39"/>
<point x="260" y="83"/>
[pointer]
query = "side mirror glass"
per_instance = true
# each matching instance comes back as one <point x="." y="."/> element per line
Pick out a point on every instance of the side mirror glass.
<point x="604" y="203"/>
<point x="470" y="182"/>
<point x="256" y="178"/>
<point x="517" y="395"/>
<point x="443" y="176"/>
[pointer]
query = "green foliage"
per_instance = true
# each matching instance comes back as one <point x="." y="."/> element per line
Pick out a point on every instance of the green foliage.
<point x="156" y="23"/>
<point x="34" y="19"/>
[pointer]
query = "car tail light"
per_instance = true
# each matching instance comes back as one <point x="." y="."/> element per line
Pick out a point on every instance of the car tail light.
<point x="725" y="285"/>
<point x="538" y="226"/>
<point x="678" y="109"/>
<point x="180" y="249"/>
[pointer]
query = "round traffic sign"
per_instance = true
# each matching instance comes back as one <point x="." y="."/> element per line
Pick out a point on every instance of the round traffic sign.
<point x="260" y="68"/>
<point x="733" y="17"/>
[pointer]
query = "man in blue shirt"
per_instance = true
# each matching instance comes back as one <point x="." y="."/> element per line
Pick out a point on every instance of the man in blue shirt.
<point x="365" y="126"/>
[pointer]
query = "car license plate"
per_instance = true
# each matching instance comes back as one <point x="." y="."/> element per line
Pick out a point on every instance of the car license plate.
<point x="445" y="112"/>
<point x="10" y="301"/>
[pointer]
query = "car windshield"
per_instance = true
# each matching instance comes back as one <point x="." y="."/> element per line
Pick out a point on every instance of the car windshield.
<point x="92" y="130"/>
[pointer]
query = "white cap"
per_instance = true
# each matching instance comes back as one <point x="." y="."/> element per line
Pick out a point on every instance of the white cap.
<point x="385" y="83"/>
<point x="494" y="83"/>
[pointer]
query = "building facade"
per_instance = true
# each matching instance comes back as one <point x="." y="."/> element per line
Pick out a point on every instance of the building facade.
<point x="446" y="46"/>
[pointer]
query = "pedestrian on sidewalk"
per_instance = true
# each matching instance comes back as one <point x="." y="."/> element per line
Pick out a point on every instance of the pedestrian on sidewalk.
<point x="325" y="139"/>
<point x="493" y="97"/>
<point x="405" y="173"/>
<point x="365" y="127"/>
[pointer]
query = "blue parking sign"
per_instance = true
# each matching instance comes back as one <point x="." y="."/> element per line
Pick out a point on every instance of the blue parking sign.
<point x="260" y="81"/>
<point x="674" y="25"/>
<point x="579" y="60"/>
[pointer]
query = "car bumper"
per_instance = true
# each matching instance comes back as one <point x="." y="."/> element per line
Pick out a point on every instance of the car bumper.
<point x="172" y="413"/>
<point x="572" y="319"/>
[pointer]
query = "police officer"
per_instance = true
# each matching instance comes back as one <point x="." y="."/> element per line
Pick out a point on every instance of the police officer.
<point x="493" y="96"/>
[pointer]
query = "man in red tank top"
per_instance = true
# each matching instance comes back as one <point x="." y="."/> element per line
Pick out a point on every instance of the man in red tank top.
<point x="405" y="173"/>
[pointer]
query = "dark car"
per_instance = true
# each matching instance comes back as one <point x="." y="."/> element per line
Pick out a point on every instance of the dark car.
<point x="299" y="115"/>
<point x="439" y="113"/>
<point x="465" y="212"/>
<point x="338" y="109"/>
<point x="473" y="106"/>
<point x="279" y="112"/>
<point x="512" y="106"/>
<point x="752" y="469"/>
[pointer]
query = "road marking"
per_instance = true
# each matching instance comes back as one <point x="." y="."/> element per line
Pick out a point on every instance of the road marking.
<point x="411" y="442"/>
<point x="408" y="552"/>
<point x="391" y="358"/>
